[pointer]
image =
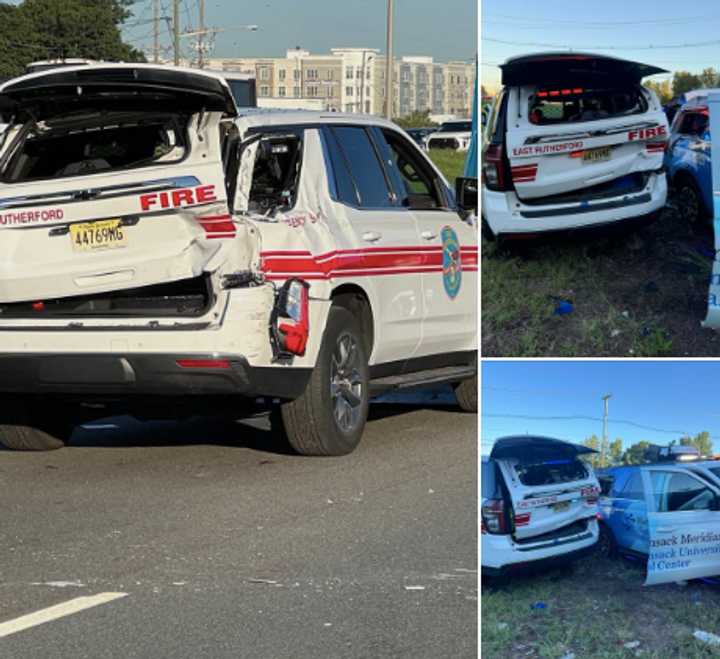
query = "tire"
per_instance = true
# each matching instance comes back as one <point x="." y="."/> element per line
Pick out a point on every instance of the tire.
<point x="19" y="434"/>
<point x="466" y="393"/>
<point x="486" y="231"/>
<point x="329" y="417"/>
<point x="689" y="201"/>
<point x="606" y="546"/>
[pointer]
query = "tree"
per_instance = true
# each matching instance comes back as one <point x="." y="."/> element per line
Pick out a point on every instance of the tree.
<point x="415" y="120"/>
<point x="615" y="452"/>
<point x="683" y="81"/>
<point x="593" y="458"/>
<point x="701" y="442"/>
<point x="635" y="454"/>
<point x="663" y="89"/>
<point x="48" y="29"/>
<point x="709" y="77"/>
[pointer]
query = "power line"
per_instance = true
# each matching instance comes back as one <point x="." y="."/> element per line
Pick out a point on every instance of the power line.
<point x="584" y="47"/>
<point x="575" y="23"/>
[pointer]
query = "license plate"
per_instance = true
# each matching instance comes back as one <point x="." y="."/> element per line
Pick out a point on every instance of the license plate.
<point x="561" y="506"/>
<point x="597" y="155"/>
<point x="103" y="234"/>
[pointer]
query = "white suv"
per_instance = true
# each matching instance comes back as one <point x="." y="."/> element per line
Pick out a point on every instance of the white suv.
<point x="573" y="140"/>
<point x="164" y="253"/>
<point x="539" y="504"/>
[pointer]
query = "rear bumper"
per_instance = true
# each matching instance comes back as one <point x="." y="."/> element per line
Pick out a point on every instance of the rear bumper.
<point x="156" y="374"/>
<point x="501" y="555"/>
<point x="508" y="216"/>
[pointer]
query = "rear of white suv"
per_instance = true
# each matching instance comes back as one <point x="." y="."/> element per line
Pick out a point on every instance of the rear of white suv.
<point x="539" y="505"/>
<point x="573" y="141"/>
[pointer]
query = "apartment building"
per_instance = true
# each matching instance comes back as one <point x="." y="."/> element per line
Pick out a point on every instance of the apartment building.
<point x="353" y="80"/>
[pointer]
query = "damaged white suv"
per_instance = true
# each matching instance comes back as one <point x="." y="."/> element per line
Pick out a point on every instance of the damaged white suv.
<point x="163" y="255"/>
<point x="573" y="141"/>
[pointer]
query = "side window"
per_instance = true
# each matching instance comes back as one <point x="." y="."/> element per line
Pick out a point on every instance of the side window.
<point x="418" y="185"/>
<point x="675" y="491"/>
<point x="633" y="488"/>
<point x="693" y="123"/>
<point x="359" y="176"/>
<point x="276" y="173"/>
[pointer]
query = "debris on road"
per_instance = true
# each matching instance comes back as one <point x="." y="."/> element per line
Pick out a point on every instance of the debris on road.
<point x="707" y="637"/>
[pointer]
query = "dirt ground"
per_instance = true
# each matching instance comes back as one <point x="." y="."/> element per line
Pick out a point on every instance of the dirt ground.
<point x="597" y="609"/>
<point x="637" y="293"/>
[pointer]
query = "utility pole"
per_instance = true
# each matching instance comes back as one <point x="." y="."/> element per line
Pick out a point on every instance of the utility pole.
<point x="156" y="31"/>
<point x="176" y="32"/>
<point x="389" y="63"/>
<point x="201" y="34"/>
<point x="604" y="448"/>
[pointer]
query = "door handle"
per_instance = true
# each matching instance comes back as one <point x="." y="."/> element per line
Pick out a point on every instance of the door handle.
<point x="428" y="235"/>
<point x="371" y="236"/>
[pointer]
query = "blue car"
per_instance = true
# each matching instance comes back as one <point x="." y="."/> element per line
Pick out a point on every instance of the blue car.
<point x="688" y="161"/>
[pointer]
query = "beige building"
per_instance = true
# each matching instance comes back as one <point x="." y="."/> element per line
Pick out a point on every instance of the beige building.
<point x="353" y="80"/>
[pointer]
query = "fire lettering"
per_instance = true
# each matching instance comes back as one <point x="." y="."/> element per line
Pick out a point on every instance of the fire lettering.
<point x="647" y="133"/>
<point x="184" y="197"/>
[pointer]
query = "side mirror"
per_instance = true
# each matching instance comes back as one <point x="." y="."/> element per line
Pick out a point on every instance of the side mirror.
<point x="466" y="193"/>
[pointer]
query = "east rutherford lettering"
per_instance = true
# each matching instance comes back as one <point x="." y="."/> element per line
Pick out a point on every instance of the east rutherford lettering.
<point x="30" y="217"/>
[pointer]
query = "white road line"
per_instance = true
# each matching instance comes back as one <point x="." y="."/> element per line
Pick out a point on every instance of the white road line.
<point x="57" y="611"/>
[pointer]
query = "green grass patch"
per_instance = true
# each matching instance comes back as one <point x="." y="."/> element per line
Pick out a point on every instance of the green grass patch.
<point x="451" y="163"/>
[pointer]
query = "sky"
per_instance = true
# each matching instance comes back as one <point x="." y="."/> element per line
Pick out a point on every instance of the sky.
<point x="628" y="27"/>
<point x="667" y="395"/>
<point x="446" y="30"/>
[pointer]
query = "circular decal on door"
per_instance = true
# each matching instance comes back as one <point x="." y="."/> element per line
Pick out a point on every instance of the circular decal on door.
<point x="452" y="270"/>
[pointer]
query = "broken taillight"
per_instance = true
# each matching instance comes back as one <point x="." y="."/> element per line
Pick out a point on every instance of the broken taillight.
<point x="493" y="516"/>
<point x="290" y="323"/>
<point x="493" y="168"/>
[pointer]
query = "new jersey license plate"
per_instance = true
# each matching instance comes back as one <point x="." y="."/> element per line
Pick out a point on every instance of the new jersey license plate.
<point x="103" y="234"/>
<point x="561" y="506"/>
<point x="597" y="155"/>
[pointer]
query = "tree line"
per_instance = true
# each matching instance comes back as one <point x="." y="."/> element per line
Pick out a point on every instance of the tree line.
<point x="49" y="29"/>
<point x="635" y="454"/>
<point x="684" y="81"/>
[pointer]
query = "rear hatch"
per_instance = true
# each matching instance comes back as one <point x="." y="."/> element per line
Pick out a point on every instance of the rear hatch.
<point x="550" y="488"/>
<point x="578" y="122"/>
<point x="111" y="178"/>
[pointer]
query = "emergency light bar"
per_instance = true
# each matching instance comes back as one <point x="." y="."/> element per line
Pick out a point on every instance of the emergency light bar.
<point x="559" y="92"/>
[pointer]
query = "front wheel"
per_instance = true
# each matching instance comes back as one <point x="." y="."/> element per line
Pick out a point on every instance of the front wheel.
<point x="329" y="417"/>
<point x="689" y="201"/>
<point x="22" y="430"/>
<point x="466" y="393"/>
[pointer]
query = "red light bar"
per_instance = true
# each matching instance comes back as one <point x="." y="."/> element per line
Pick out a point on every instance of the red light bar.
<point x="203" y="363"/>
<point x="542" y="94"/>
<point x="554" y="92"/>
<point x="560" y="92"/>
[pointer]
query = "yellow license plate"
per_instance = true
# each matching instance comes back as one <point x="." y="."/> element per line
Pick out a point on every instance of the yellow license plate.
<point x="559" y="507"/>
<point x="103" y="234"/>
<point x="597" y="155"/>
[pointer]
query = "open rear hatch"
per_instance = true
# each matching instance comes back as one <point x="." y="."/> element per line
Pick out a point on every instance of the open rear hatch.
<point x="581" y="122"/>
<point x="111" y="178"/>
<point x="549" y="486"/>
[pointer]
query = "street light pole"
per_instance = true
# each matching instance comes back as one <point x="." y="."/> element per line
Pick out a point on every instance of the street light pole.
<point x="201" y="45"/>
<point x="156" y="31"/>
<point x="389" y="63"/>
<point x="176" y="32"/>
<point x="604" y="447"/>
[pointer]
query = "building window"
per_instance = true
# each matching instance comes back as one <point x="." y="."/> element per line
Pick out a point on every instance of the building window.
<point x="312" y="91"/>
<point x="281" y="74"/>
<point x="349" y="73"/>
<point x="264" y="74"/>
<point x="329" y="74"/>
<point x="264" y="90"/>
<point x="296" y="92"/>
<point x="281" y="91"/>
<point x="312" y="74"/>
<point x="348" y="91"/>
<point x="367" y="107"/>
<point x="296" y="74"/>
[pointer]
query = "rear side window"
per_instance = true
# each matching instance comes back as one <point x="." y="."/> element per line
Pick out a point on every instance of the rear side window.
<point x="562" y="106"/>
<point x="487" y="478"/>
<point x="359" y="176"/>
<point x="633" y="488"/>
<point x="675" y="491"/>
<point x="693" y="123"/>
<point x="551" y="472"/>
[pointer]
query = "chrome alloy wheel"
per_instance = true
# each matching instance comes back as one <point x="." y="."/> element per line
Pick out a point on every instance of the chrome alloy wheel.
<point x="346" y="385"/>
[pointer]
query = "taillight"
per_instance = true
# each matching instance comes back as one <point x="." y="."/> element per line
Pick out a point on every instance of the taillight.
<point x="493" y="170"/>
<point x="290" y="323"/>
<point x="493" y="517"/>
<point x="524" y="173"/>
<point x="523" y="519"/>
<point x="656" y="147"/>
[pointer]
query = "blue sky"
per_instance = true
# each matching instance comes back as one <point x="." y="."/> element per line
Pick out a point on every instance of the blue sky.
<point x="627" y="26"/>
<point x="446" y="30"/>
<point x="666" y="395"/>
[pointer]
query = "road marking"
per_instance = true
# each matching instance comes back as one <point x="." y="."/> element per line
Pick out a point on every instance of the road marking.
<point x="57" y="611"/>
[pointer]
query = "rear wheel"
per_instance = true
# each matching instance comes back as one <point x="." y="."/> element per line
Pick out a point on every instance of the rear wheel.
<point x="23" y="429"/>
<point x="329" y="417"/>
<point x="467" y="394"/>
<point x="689" y="201"/>
<point x="606" y="546"/>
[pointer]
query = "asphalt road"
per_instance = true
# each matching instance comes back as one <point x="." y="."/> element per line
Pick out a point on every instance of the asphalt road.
<point x="228" y="547"/>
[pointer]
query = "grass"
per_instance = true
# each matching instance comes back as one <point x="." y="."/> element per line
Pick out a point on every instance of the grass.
<point x="640" y="293"/>
<point x="592" y="610"/>
<point x="451" y="163"/>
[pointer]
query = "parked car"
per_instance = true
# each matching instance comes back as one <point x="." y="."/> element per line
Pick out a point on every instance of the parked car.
<point x="673" y="496"/>
<point x="419" y="136"/>
<point x="539" y="504"/>
<point x="688" y="161"/>
<point x="163" y="253"/>
<point x="453" y="135"/>
<point x="573" y="141"/>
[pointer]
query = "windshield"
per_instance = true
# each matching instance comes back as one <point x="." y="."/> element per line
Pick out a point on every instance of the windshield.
<point x="560" y="106"/>
<point x="456" y="127"/>
<point x="94" y="144"/>
<point x="551" y="472"/>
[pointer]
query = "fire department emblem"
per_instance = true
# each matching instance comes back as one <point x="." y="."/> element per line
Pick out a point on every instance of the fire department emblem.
<point x="452" y="269"/>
